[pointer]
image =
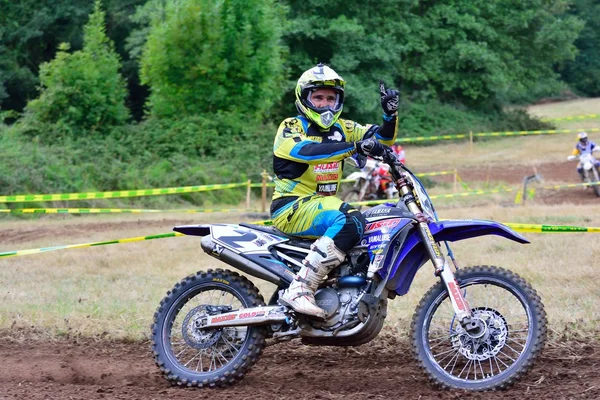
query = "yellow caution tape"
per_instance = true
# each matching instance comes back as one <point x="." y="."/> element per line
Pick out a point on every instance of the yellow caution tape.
<point x="550" y="228"/>
<point x="115" y="210"/>
<point x="517" y="227"/>
<point x="572" y="118"/>
<point x="116" y="194"/>
<point x="436" y="173"/>
<point x="494" y="134"/>
<point x="570" y="185"/>
<point x="531" y="228"/>
<point x="80" y="246"/>
<point x="255" y="185"/>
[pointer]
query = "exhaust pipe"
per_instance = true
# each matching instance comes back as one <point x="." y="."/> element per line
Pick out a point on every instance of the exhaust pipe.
<point x="239" y="262"/>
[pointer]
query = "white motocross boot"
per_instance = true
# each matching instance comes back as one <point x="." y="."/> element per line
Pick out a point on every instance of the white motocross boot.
<point x="300" y="295"/>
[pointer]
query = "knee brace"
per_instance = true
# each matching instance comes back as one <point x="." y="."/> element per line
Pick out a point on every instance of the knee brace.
<point x="353" y="229"/>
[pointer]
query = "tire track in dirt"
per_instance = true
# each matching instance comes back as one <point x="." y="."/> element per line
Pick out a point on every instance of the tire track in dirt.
<point x="88" y="369"/>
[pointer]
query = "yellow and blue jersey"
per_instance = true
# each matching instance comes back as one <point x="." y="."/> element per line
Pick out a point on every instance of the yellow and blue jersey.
<point x="308" y="160"/>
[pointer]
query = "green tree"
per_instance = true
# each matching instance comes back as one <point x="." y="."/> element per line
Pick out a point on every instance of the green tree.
<point x="82" y="92"/>
<point x="30" y="32"/>
<point x="214" y="56"/>
<point x="583" y="73"/>
<point x="467" y="51"/>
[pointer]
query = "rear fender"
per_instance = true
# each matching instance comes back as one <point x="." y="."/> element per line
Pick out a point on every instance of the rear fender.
<point x="414" y="255"/>
<point x="193" y="230"/>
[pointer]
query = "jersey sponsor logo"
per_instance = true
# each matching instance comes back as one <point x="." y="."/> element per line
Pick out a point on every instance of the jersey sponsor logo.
<point x="329" y="167"/>
<point x="290" y="123"/>
<point x="336" y="136"/>
<point x="386" y="223"/>
<point x="288" y="133"/>
<point x="327" y="177"/>
<point x="327" y="189"/>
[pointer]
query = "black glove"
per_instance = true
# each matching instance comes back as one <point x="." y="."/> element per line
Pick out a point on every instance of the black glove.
<point x="389" y="99"/>
<point x="370" y="147"/>
<point x="372" y="131"/>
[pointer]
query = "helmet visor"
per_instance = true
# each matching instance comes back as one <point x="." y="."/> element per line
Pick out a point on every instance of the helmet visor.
<point x="323" y="98"/>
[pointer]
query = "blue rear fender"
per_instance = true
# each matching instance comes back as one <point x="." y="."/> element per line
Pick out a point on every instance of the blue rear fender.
<point x="413" y="254"/>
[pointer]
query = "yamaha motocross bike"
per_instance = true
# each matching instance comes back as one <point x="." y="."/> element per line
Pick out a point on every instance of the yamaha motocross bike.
<point x="478" y="328"/>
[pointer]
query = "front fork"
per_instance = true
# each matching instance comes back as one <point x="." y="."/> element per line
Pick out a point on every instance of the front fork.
<point x="440" y="263"/>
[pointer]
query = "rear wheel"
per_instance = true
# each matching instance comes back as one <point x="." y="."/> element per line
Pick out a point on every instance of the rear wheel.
<point x="190" y="355"/>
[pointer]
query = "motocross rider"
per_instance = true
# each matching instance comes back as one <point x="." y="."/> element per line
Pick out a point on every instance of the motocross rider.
<point x="308" y="155"/>
<point x="583" y="146"/>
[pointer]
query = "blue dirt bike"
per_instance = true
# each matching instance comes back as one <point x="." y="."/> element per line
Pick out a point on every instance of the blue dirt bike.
<point x="479" y="328"/>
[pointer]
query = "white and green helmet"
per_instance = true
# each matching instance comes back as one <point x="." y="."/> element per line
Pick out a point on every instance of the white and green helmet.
<point x="320" y="77"/>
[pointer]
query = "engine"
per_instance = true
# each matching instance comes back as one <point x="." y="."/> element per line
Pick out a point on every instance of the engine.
<point x="339" y="295"/>
<point x="339" y="298"/>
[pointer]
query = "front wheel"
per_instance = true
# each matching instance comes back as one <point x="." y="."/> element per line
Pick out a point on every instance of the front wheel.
<point x="595" y="179"/>
<point x="513" y="331"/>
<point x="191" y="356"/>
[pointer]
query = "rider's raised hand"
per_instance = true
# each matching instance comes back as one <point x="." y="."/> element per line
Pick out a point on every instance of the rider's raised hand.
<point x="389" y="99"/>
<point x="370" y="147"/>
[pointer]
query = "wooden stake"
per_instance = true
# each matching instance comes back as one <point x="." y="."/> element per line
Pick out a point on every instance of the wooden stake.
<point x="248" y="195"/>
<point x="264" y="191"/>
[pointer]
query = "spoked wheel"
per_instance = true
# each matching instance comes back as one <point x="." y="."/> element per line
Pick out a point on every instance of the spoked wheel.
<point x="192" y="356"/>
<point x="595" y="179"/>
<point x="511" y="336"/>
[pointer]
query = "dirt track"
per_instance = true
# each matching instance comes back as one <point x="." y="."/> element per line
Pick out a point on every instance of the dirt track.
<point x="551" y="174"/>
<point x="88" y="369"/>
<point x="83" y="369"/>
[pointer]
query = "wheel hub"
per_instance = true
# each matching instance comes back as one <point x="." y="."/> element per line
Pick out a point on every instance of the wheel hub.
<point x="193" y="335"/>
<point x="488" y="342"/>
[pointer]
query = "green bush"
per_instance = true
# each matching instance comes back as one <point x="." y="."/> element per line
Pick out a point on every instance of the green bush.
<point x="210" y="56"/>
<point x="82" y="92"/>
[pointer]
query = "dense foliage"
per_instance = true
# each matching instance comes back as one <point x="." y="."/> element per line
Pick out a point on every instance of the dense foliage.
<point x="174" y="87"/>
<point x="82" y="92"/>
<point x="210" y="57"/>
<point x="583" y="73"/>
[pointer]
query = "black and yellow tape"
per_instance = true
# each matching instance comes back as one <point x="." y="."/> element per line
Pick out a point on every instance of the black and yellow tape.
<point x="84" y="245"/>
<point x="116" y="194"/>
<point x="572" y="118"/>
<point x="517" y="227"/>
<point x="493" y="134"/>
<point x="116" y="210"/>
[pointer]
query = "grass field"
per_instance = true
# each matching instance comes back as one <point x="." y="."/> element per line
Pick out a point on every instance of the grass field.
<point x="113" y="290"/>
<point x="512" y="150"/>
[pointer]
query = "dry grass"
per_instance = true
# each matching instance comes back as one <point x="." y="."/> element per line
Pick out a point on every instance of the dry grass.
<point x="525" y="150"/>
<point x="566" y="108"/>
<point x="114" y="289"/>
